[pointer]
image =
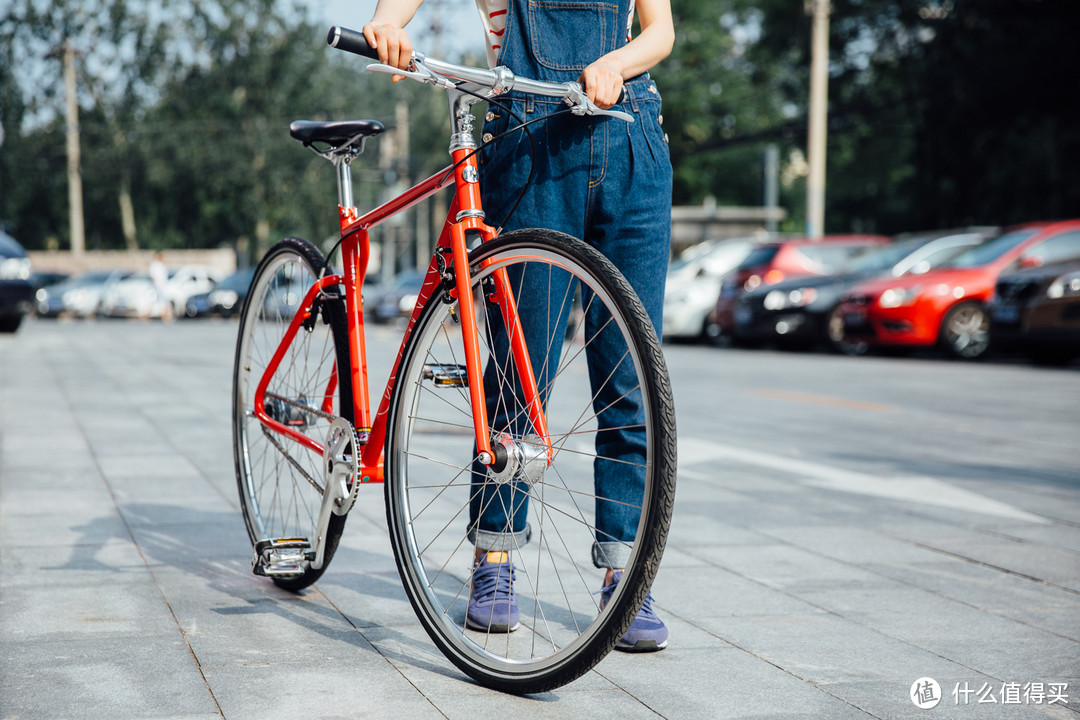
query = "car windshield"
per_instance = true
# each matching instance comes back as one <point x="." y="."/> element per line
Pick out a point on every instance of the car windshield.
<point x="409" y="281"/>
<point x="761" y="255"/>
<point x="692" y="253"/>
<point x="94" y="278"/>
<point x="883" y="258"/>
<point x="829" y="257"/>
<point x="9" y="247"/>
<point x="238" y="281"/>
<point x="989" y="251"/>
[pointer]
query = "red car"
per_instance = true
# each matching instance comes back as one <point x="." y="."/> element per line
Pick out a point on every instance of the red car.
<point x="948" y="306"/>
<point x="776" y="260"/>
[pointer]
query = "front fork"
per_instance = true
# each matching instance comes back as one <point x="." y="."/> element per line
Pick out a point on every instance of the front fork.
<point x="468" y="223"/>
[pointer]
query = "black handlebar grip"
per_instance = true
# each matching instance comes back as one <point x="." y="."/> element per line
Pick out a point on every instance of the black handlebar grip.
<point x="350" y="41"/>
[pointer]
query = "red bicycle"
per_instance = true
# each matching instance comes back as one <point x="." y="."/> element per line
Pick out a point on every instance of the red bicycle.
<point x="306" y="440"/>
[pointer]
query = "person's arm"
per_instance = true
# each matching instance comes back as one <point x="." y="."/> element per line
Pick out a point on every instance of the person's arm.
<point x="603" y="79"/>
<point x="386" y="32"/>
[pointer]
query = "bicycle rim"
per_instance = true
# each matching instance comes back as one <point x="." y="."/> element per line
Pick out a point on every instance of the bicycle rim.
<point x="431" y="478"/>
<point x="280" y="482"/>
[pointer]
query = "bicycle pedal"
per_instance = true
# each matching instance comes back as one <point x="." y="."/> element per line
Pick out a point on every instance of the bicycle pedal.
<point x="280" y="557"/>
<point x="446" y="375"/>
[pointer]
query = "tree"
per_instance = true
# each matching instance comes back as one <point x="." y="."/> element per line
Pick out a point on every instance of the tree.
<point x="942" y="112"/>
<point x="124" y="51"/>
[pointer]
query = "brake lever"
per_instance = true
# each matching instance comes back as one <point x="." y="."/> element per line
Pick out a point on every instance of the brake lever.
<point x="581" y="105"/>
<point x="421" y="74"/>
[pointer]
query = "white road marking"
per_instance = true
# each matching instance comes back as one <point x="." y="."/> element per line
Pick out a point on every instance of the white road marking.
<point x="912" y="488"/>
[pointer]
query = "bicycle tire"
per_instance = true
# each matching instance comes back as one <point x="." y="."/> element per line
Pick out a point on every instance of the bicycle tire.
<point x="429" y="431"/>
<point x="276" y="498"/>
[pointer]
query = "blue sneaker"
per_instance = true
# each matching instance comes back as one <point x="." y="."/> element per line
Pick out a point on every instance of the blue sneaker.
<point x="492" y="602"/>
<point x="647" y="633"/>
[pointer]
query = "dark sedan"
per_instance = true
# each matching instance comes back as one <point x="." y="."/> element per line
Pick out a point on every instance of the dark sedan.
<point x="804" y="311"/>
<point x="397" y="300"/>
<point x="225" y="300"/>
<point x="1037" y="310"/>
<point x="16" y="292"/>
<point x="79" y="295"/>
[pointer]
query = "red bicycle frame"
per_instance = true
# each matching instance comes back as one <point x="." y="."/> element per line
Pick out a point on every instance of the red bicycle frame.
<point x="463" y="221"/>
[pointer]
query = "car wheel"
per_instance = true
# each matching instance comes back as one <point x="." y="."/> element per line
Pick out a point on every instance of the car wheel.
<point x="965" y="331"/>
<point x="10" y="323"/>
<point x="834" y="328"/>
<point x="713" y="334"/>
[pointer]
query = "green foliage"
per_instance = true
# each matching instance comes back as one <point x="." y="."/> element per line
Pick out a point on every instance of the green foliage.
<point x="942" y="113"/>
<point x="719" y="104"/>
<point x="193" y="110"/>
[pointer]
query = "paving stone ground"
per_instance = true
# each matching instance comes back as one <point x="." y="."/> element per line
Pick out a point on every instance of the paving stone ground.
<point x="792" y="589"/>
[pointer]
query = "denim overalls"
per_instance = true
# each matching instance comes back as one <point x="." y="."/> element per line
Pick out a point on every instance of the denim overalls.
<point x="607" y="182"/>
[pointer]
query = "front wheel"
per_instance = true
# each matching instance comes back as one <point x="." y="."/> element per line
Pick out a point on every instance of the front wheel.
<point x="609" y="413"/>
<point x="280" y="481"/>
<point x="965" y="331"/>
<point x="10" y="323"/>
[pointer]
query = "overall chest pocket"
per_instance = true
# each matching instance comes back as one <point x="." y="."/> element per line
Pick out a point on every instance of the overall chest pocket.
<point x="569" y="35"/>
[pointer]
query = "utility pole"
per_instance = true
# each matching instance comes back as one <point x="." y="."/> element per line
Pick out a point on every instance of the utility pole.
<point x="819" y="102"/>
<point x="74" y="175"/>
<point x="772" y="185"/>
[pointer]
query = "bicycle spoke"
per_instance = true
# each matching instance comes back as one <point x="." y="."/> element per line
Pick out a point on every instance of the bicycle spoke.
<point x="439" y="496"/>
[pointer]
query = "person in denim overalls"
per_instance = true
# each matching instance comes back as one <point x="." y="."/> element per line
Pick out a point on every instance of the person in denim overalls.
<point x="600" y="179"/>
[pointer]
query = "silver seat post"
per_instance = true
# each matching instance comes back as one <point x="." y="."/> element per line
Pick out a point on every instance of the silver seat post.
<point x="344" y="181"/>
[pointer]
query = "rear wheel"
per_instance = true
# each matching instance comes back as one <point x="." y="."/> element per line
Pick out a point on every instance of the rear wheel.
<point x="280" y="481"/>
<point x="965" y="331"/>
<point x="432" y="471"/>
<point x="838" y="341"/>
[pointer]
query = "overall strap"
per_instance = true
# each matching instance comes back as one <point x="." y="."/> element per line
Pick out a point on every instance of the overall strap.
<point x="555" y="40"/>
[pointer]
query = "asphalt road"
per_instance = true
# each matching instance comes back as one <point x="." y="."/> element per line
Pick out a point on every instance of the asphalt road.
<point x="843" y="528"/>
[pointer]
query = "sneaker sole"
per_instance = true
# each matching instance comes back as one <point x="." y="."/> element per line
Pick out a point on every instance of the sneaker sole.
<point x="491" y="628"/>
<point x="641" y="646"/>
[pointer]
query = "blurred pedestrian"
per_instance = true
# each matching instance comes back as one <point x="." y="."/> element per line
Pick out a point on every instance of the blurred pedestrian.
<point x="159" y="276"/>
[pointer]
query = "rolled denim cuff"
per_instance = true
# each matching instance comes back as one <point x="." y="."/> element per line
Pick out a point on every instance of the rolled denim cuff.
<point x="613" y="555"/>
<point x="489" y="540"/>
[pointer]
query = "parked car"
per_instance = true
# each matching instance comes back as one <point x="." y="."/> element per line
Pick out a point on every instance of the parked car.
<point x="79" y="296"/>
<point x="805" y="310"/>
<point x="41" y="279"/>
<point x="16" y="292"/>
<point x="948" y="306"/>
<point x="398" y="298"/>
<point x="774" y="261"/>
<point x="186" y="281"/>
<point x="1037" y="310"/>
<point x="225" y="300"/>
<point x="693" y="284"/>
<point x="134" y="296"/>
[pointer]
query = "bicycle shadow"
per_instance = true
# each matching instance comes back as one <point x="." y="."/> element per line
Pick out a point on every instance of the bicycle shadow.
<point x="199" y="561"/>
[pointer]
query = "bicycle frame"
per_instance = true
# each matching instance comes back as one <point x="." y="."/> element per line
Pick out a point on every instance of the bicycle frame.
<point x="464" y="222"/>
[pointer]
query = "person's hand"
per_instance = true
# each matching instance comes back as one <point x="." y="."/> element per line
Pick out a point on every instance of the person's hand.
<point x="603" y="83"/>
<point x="392" y="43"/>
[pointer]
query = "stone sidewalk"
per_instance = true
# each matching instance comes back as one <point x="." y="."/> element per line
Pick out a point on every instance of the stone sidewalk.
<point x="125" y="589"/>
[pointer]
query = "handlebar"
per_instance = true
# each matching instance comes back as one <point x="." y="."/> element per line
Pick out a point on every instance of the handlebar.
<point x="352" y="41"/>
<point x="497" y="80"/>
